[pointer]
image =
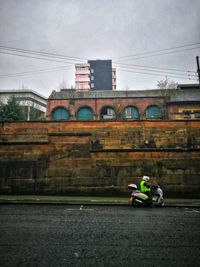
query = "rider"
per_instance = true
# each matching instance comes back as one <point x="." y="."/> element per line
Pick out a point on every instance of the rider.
<point x="144" y="186"/>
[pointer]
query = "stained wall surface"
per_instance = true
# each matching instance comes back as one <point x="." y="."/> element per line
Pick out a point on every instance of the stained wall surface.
<point x="99" y="158"/>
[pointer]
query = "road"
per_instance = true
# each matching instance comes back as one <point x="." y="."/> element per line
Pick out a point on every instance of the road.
<point x="63" y="235"/>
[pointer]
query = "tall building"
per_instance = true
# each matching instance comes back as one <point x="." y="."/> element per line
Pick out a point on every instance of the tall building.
<point x="100" y="74"/>
<point x="114" y="79"/>
<point x="82" y="76"/>
<point x="95" y="75"/>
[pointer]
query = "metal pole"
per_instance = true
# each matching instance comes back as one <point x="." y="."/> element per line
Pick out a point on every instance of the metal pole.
<point x="198" y="69"/>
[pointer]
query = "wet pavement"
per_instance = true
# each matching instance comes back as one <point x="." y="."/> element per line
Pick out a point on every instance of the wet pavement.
<point x="90" y="200"/>
<point x="89" y="235"/>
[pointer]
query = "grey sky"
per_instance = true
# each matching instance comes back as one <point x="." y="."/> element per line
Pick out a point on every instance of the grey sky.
<point x="93" y="29"/>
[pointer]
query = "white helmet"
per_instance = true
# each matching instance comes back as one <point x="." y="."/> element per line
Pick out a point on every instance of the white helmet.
<point x="145" y="178"/>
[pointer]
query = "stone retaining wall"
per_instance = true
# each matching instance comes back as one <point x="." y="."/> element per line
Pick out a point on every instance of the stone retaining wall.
<point x="99" y="157"/>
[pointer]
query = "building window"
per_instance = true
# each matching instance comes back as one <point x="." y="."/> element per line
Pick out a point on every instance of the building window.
<point x="197" y="114"/>
<point x="131" y="112"/>
<point x="82" y="83"/>
<point x="84" y="114"/>
<point x="92" y="78"/>
<point x="107" y="113"/>
<point x="153" y="112"/>
<point x="186" y="114"/>
<point x="82" y="68"/>
<point x="60" y="113"/>
<point x="92" y="70"/>
<point x="82" y="76"/>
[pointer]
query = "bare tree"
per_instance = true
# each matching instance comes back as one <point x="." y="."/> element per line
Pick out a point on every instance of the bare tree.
<point x="118" y="110"/>
<point x="167" y="88"/>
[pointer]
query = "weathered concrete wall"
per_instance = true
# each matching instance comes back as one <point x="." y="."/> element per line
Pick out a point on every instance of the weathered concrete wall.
<point x="99" y="157"/>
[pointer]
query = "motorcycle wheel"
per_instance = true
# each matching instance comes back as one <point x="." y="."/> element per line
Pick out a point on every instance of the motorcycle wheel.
<point x="133" y="202"/>
<point x="149" y="203"/>
<point x="162" y="204"/>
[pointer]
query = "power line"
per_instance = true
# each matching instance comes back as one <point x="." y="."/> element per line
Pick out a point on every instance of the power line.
<point x="156" y="71"/>
<point x="37" y="55"/>
<point x="162" y="54"/>
<point x="155" y="74"/>
<point x="44" y="54"/>
<point x="42" y="71"/>
<point x="141" y="55"/>
<point x="124" y="66"/>
<point x="152" y="67"/>
<point x="46" y="59"/>
<point x="129" y="67"/>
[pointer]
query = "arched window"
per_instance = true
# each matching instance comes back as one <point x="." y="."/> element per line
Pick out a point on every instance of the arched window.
<point x="131" y="112"/>
<point x="107" y="113"/>
<point x="153" y="112"/>
<point x="60" y="113"/>
<point x="84" y="114"/>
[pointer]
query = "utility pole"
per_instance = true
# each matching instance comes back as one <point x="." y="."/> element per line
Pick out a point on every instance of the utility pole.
<point x="198" y="69"/>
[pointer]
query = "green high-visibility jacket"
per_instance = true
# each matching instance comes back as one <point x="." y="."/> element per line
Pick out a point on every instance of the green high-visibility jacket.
<point x="143" y="187"/>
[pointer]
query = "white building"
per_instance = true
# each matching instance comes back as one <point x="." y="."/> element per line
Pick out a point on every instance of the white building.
<point x="82" y="76"/>
<point x="26" y="98"/>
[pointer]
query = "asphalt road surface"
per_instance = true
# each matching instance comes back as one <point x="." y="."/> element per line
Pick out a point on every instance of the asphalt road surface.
<point x="63" y="235"/>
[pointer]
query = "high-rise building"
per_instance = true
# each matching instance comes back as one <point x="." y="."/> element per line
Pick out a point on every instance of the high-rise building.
<point x="114" y="79"/>
<point x="82" y="76"/>
<point x="100" y="74"/>
<point x="95" y="75"/>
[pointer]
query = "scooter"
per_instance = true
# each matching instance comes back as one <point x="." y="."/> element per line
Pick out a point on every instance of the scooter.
<point x="140" y="199"/>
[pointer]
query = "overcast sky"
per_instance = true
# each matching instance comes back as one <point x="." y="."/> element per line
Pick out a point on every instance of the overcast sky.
<point x="126" y="31"/>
